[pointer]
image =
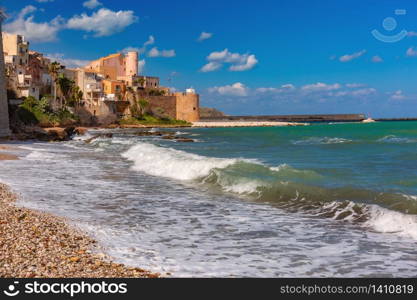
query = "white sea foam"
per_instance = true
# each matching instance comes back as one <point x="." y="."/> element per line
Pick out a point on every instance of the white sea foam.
<point x="42" y="155"/>
<point x="280" y="168"/>
<point x="321" y="141"/>
<point x="393" y="139"/>
<point x="84" y="137"/>
<point x="388" y="221"/>
<point x="171" y="163"/>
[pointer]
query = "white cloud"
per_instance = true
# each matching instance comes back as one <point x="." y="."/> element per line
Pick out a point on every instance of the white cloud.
<point x="24" y="24"/>
<point x="411" y="52"/>
<point x="103" y="22"/>
<point x="354" y="85"/>
<point x="288" y="86"/>
<point x="211" y="66"/>
<point x="141" y="50"/>
<point x="284" y="88"/>
<point x="239" y="62"/>
<point x="250" y="62"/>
<point x="91" y="4"/>
<point x="154" y="52"/>
<point x="237" y="89"/>
<point x="141" y="65"/>
<point x="67" y="62"/>
<point x="321" y="87"/>
<point x="350" y="57"/>
<point x="205" y="36"/>
<point x="377" y="59"/>
<point x="264" y="90"/>
<point x="363" y="92"/>
<point x="397" y="96"/>
<point x="310" y="94"/>
<point x="150" y="41"/>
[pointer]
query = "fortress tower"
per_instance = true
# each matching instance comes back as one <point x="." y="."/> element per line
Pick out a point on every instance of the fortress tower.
<point x="4" y="113"/>
<point x="131" y="63"/>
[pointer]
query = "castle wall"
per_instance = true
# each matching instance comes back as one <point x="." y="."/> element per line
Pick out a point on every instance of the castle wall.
<point x="167" y="103"/>
<point x="4" y="112"/>
<point x="177" y="106"/>
<point x="188" y="106"/>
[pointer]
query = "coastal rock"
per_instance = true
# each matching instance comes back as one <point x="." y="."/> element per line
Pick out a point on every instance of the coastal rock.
<point x="148" y="133"/>
<point x="4" y="156"/>
<point x="184" y="140"/>
<point x="102" y="135"/>
<point x="80" y="130"/>
<point x="178" y="139"/>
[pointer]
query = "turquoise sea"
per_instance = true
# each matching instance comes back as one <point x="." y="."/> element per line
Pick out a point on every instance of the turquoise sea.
<point x="312" y="201"/>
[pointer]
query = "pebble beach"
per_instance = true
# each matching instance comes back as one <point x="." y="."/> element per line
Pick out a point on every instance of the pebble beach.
<point x="38" y="245"/>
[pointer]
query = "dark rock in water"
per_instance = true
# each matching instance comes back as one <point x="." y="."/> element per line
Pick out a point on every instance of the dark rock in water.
<point x="101" y="135"/>
<point x="178" y="139"/>
<point x="52" y="134"/>
<point x="70" y="131"/>
<point x="184" y="140"/>
<point x="80" y="130"/>
<point x="169" y="137"/>
<point x="144" y="133"/>
<point x="152" y="133"/>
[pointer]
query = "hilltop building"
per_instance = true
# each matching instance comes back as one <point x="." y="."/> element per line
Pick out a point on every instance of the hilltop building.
<point x="26" y="71"/>
<point x="116" y="66"/>
<point x="110" y="85"/>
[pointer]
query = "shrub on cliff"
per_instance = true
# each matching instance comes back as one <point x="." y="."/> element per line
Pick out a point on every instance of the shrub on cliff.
<point x="34" y="112"/>
<point x="153" y="121"/>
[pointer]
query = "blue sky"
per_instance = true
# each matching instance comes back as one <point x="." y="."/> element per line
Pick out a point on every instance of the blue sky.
<point x="263" y="57"/>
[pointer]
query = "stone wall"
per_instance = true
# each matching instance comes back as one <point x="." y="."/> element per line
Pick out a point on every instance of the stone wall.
<point x="165" y="103"/>
<point x="4" y="112"/>
<point x="178" y="106"/>
<point x="188" y="106"/>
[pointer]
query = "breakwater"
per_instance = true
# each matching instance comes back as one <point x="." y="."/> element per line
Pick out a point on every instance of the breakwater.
<point x="290" y="118"/>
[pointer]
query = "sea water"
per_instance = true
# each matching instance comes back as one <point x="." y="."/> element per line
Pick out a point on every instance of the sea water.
<point x="320" y="200"/>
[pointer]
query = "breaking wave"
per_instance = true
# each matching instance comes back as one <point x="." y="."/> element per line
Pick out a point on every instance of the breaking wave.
<point x="321" y="141"/>
<point x="397" y="140"/>
<point x="283" y="186"/>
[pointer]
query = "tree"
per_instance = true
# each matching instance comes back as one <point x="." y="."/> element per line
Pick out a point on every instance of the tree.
<point x="76" y="95"/>
<point x="66" y="86"/>
<point x="141" y="81"/>
<point x="54" y="69"/>
<point x="143" y="104"/>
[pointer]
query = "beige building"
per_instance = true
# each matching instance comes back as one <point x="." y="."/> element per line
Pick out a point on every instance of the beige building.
<point x="90" y="83"/>
<point x="146" y="82"/>
<point x="4" y="114"/>
<point x="115" y="65"/>
<point x="16" y="46"/>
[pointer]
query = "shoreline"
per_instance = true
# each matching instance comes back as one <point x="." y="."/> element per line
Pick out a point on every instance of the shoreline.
<point x="35" y="244"/>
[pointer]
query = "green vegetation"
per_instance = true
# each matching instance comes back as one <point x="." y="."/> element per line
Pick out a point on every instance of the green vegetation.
<point x="156" y="92"/>
<point x="70" y="91"/>
<point x="153" y="121"/>
<point x="34" y="112"/>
